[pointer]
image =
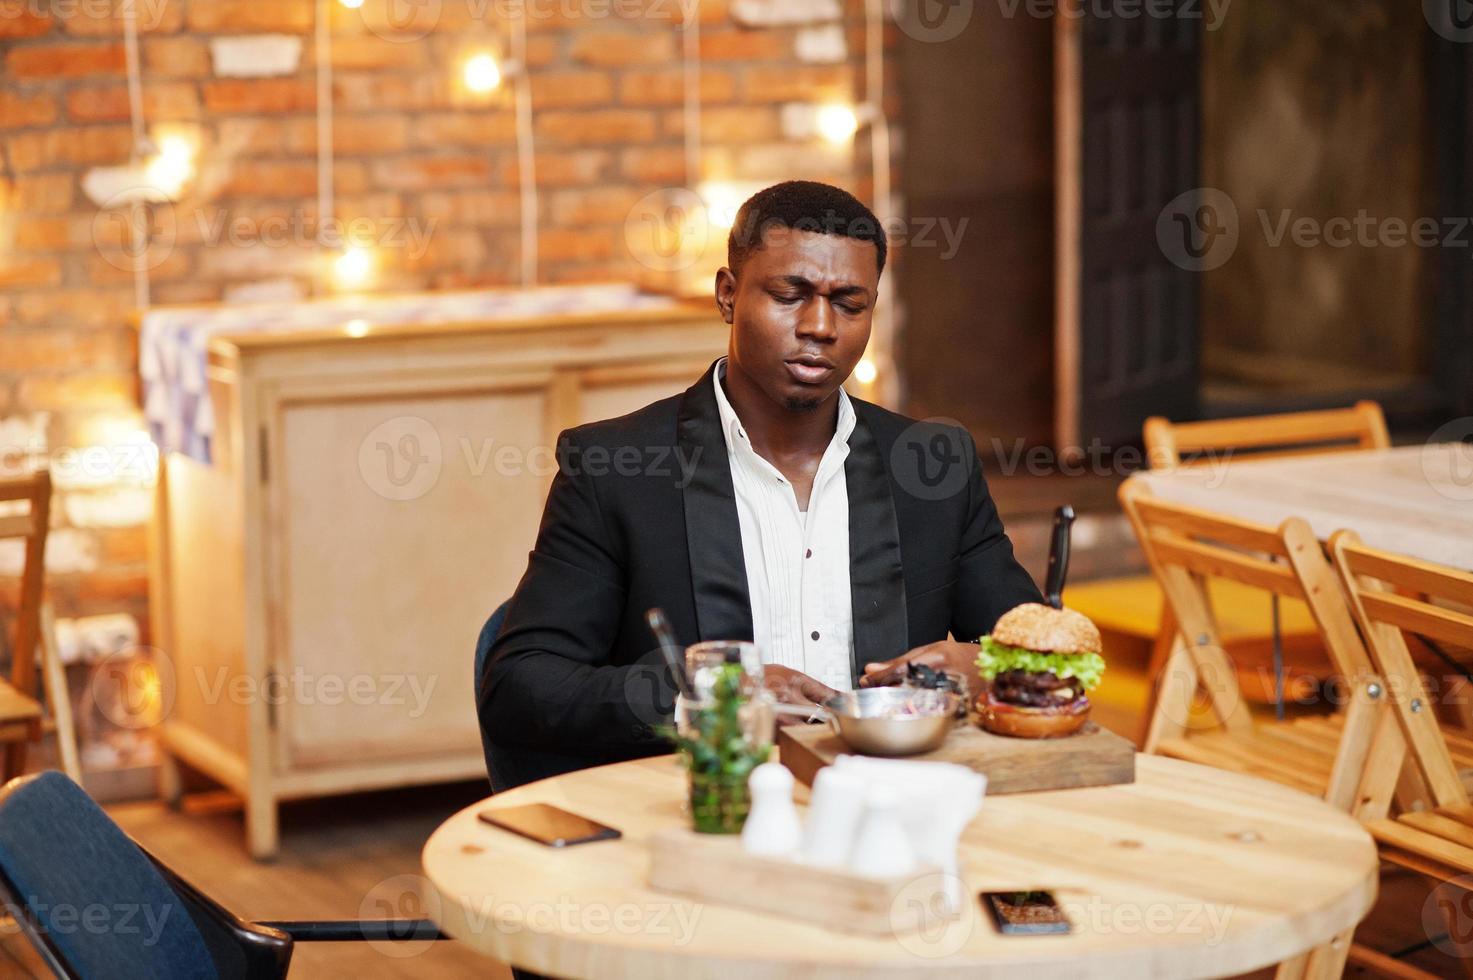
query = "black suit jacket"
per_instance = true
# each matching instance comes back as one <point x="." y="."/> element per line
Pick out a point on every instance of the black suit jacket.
<point x="642" y="513"/>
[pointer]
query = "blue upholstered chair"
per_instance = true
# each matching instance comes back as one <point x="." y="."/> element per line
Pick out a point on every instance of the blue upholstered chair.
<point x="98" y="907"/>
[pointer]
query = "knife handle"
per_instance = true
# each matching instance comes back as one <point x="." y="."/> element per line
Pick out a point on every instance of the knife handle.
<point x="1058" y="556"/>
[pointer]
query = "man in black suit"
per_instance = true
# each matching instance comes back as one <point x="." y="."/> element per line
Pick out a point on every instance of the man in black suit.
<point x="740" y="507"/>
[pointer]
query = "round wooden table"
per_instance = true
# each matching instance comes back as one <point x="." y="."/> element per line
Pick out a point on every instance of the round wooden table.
<point x="1187" y="872"/>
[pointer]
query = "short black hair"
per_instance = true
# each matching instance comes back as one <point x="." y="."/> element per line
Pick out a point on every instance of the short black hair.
<point x="802" y="205"/>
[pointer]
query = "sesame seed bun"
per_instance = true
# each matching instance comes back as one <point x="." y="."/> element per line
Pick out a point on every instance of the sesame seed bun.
<point x="1034" y="626"/>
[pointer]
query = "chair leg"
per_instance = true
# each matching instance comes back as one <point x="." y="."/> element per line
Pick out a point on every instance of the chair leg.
<point x="1161" y="646"/>
<point x="171" y="781"/>
<point x="1327" y="962"/>
<point x="53" y="677"/>
<point x="261" y="828"/>
<point x="15" y="759"/>
<point x="1293" y="969"/>
<point x="1176" y="687"/>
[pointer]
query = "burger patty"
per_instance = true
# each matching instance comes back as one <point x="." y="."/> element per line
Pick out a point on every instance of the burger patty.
<point x="1035" y="690"/>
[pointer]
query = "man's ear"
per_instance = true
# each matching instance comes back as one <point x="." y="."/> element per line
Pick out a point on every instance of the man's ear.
<point x="726" y="293"/>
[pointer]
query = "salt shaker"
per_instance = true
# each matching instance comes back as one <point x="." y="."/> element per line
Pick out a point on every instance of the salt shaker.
<point x="833" y="817"/>
<point x="882" y="849"/>
<point x="772" y="828"/>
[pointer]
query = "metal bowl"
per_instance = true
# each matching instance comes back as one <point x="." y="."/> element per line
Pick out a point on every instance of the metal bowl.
<point x="873" y="720"/>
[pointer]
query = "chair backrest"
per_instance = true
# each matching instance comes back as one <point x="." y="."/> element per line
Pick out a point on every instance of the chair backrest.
<point x="1392" y="596"/>
<point x="1185" y="547"/>
<point x="1171" y="444"/>
<point x="483" y="649"/>
<point x="30" y="526"/>
<point x="93" y="903"/>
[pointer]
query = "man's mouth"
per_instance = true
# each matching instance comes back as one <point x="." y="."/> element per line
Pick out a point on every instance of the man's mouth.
<point x="810" y="369"/>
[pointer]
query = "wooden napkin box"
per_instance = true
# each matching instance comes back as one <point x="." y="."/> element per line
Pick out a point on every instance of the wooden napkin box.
<point x="714" y="868"/>
<point x="1093" y="756"/>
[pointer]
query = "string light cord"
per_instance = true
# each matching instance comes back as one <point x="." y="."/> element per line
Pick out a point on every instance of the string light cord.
<point x="136" y="220"/>
<point x="886" y="315"/>
<point x="526" y="146"/>
<point x="325" y="202"/>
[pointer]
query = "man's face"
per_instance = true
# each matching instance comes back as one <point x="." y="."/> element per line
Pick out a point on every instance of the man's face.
<point x="800" y="313"/>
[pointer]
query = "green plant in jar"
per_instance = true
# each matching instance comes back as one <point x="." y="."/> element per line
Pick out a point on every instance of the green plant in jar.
<point x="722" y="740"/>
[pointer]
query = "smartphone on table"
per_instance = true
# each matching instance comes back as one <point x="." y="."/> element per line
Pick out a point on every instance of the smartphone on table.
<point x="1026" y="913"/>
<point x="547" y="824"/>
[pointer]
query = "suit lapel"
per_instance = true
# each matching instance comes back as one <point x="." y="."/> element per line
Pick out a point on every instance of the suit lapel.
<point x="712" y="530"/>
<point x="876" y="581"/>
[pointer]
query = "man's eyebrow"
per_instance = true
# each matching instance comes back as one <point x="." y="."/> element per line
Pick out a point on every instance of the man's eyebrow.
<point x="803" y="282"/>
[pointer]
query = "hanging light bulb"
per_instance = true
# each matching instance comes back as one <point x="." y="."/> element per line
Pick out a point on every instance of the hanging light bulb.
<point x="171" y="167"/>
<point x="837" y="123"/>
<point x="353" y="269"/>
<point x="351" y="4"/>
<point x="482" y="74"/>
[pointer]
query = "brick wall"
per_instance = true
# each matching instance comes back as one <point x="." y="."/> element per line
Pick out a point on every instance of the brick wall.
<point x="429" y="171"/>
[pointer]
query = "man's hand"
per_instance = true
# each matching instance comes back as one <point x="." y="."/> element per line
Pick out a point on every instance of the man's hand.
<point x="790" y="686"/>
<point x="947" y="655"/>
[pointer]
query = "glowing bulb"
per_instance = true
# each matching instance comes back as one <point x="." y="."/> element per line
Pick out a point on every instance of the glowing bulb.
<point x="353" y="268"/>
<point x="865" y="372"/>
<point x="170" y="169"/>
<point x="482" y="74"/>
<point x="351" y="4"/>
<point x="357" y="327"/>
<point x="837" y="123"/>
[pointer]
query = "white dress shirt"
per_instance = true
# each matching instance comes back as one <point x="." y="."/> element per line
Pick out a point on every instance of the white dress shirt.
<point x="797" y="562"/>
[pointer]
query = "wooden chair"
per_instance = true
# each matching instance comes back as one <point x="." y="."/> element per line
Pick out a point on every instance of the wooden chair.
<point x="1395" y="598"/>
<point x="1134" y="607"/>
<point x="1324" y="755"/>
<point x="22" y="719"/>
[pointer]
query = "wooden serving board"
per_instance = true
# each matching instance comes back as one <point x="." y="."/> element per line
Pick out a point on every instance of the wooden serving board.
<point x="714" y="868"/>
<point x="1093" y="756"/>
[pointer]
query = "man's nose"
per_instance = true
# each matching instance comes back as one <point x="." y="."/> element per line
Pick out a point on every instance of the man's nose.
<point x="818" y="320"/>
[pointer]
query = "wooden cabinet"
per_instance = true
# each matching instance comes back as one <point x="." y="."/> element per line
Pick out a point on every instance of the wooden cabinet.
<point x="317" y="589"/>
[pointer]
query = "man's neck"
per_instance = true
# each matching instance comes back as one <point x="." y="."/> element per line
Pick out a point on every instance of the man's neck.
<point x="773" y="429"/>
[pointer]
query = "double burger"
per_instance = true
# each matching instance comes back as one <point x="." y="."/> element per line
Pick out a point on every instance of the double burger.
<point x="1038" y="664"/>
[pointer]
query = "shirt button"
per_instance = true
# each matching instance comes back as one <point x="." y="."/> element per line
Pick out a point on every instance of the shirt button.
<point x="808" y="553"/>
<point x="814" y="634"/>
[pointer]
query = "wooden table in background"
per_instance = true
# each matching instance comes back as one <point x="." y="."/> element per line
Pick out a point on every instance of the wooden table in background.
<point x="1415" y="500"/>
<point x="1187" y="872"/>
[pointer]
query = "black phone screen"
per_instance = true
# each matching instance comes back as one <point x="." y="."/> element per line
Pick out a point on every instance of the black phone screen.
<point x="546" y="824"/>
<point x="1031" y="913"/>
